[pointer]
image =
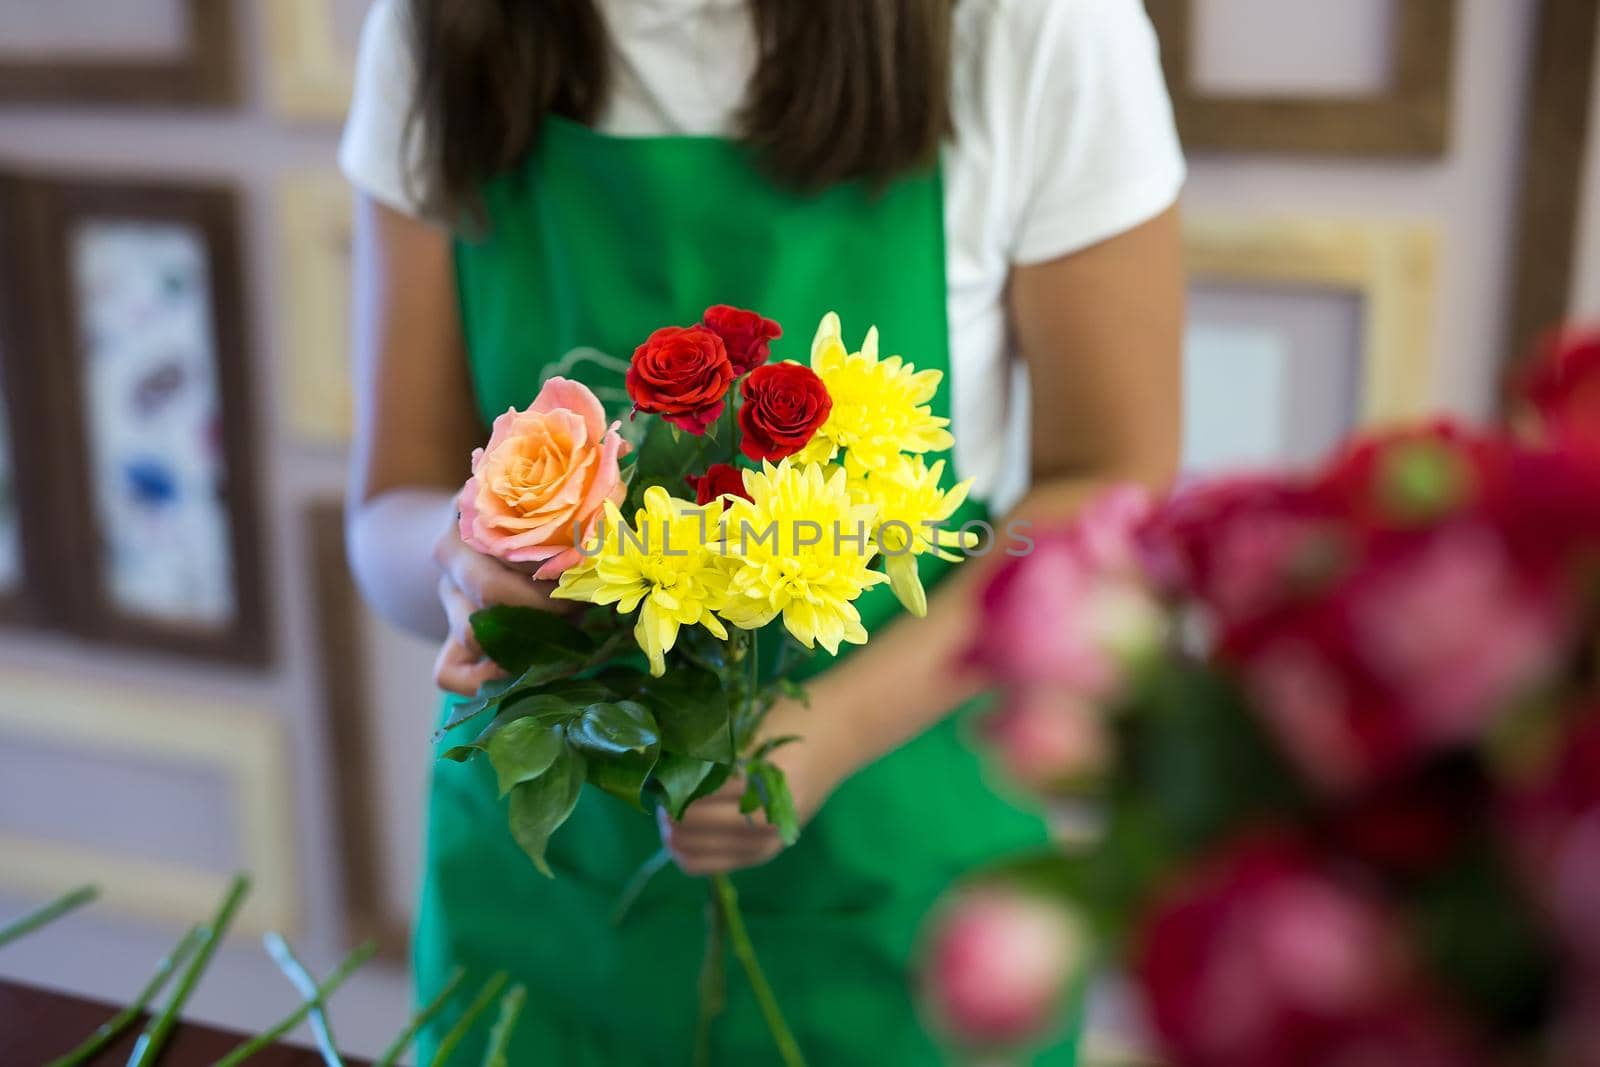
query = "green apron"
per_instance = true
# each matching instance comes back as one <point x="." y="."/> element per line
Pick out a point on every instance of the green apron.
<point x="591" y="244"/>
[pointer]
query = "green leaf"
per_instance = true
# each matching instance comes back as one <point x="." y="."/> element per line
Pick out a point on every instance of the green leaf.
<point x="767" y="748"/>
<point x="769" y="791"/>
<point x="621" y="745"/>
<point x="539" y="807"/>
<point x="523" y="749"/>
<point x="691" y="710"/>
<point x="665" y="457"/>
<point x="676" y="778"/>
<point x="520" y="639"/>
<point x="622" y="681"/>
<point x="616" y="729"/>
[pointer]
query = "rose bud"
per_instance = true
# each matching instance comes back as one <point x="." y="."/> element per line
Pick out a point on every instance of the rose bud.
<point x="746" y="335"/>
<point x="1046" y="739"/>
<point x="720" y="479"/>
<point x="784" y="404"/>
<point x="999" y="964"/>
<point x="682" y="375"/>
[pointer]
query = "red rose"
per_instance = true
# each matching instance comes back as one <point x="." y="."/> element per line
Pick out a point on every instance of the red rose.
<point x="1563" y="385"/>
<point x="681" y="374"/>
<point x="1265" y="956"/>
<point x="720" y="479"/>
<point x="746" y="335"/>
<point x="784" y="403"/>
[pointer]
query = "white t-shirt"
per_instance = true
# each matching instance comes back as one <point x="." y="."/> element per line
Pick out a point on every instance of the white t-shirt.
<point x="1063" y="138"/>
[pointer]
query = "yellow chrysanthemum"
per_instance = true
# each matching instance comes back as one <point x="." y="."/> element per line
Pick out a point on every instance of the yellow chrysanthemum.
<point x="800" y="548"/>
<point x="662" y="562"/>
<point x="910" y="506"/>
<point x="880" y="407"/>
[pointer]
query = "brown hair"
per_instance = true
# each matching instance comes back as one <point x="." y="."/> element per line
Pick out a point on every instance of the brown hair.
<point x="843" y="89"/>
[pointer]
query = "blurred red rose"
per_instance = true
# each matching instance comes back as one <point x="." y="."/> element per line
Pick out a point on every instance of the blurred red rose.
<point x="999" y="965"/>
<point x="1046" y="738"/>
<point x="681" y="374"/>
<point x="1244" y="546"/>
<point x="1266" y="959"/>
<point x="1416" y="652"/>
<point x="784" y="404"/>
<point x="1413" y="475"/>
<point x="1563" y="385"/>
<point x="1412" y="824"/>
<point x="1554" y="828"/>
<point x="746" y="335"/>
<point x="720" y="479"/>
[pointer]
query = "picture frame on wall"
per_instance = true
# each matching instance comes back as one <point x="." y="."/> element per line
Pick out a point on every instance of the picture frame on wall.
<point x="137" y="391"/>
<point x="312" y="56"/>
<point x="1407" y="116"/>
<point x="132" y="52"/>
<point x="1302" y="331"/>
<point x="316" y="222"/>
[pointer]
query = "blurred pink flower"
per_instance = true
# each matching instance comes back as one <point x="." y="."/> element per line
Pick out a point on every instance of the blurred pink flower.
<point x="1076" y="611"/>
<point x="1419" y="650"/>
<point x="999" y="965"/>
<point x="1045" y="738"/>
<point x="1263" y="959"/>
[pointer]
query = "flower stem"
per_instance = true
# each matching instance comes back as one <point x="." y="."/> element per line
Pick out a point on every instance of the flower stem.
<point x="113" y="1027"/>
<point x="745" y="953"/>
<point x="306" y="986"/>
<point x="713" y="982"/>
<point x="480" y="1003"/>
<point x="423" y="1016"/>
<point x="636" y="885"/>
<point x="295" y="1018"/>
<point x="500" y="1036"/>
<point x="147" y="1050"/>
<point x="52" y="911"/>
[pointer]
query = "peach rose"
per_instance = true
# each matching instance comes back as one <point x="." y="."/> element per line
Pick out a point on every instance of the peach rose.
<point x="540" y="486"/>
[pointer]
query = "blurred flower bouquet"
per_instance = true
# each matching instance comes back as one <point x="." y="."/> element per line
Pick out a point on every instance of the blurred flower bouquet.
<point x="1342" y="736"/>
<point x="836" y="499"/>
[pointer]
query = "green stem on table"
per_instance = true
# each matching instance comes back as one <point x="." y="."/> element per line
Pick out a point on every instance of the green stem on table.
<point x="306" y="986"/>
<point x="636" y="885"/>
<point x="148" y="1048"/>
<point x="500" y="1036"/>
<point x="490" y="990"/>
<point x="52" y="911"/>
<point x="713" y="982"/>
<point x="114" y="1027"/>
<point x="326" y="989"/>
<point x="423" y="1016"/>
<point x="745" y="953"/>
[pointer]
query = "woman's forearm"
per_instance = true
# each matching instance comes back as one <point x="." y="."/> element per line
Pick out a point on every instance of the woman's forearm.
<point x="391" y="540"/>
<point x="911" y="675"/>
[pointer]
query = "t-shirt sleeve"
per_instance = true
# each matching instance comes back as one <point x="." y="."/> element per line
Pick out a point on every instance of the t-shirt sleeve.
<point x="1099" y="150"/>
<point x="375" y="154"/>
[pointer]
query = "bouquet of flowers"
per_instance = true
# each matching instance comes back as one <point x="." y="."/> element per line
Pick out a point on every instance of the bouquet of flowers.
<point x="806" y="491"/>
<point x="1341" y="735"/>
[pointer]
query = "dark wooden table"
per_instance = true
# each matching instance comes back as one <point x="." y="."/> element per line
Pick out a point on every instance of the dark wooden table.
<point x="37" y="1025"/>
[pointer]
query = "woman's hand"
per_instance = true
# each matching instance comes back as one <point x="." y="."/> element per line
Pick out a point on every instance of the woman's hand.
<point x="470" y="581"/>
<point x="714" y="837"/>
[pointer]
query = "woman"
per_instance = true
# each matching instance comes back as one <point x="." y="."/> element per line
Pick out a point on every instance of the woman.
<point x="992" y="182"/>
